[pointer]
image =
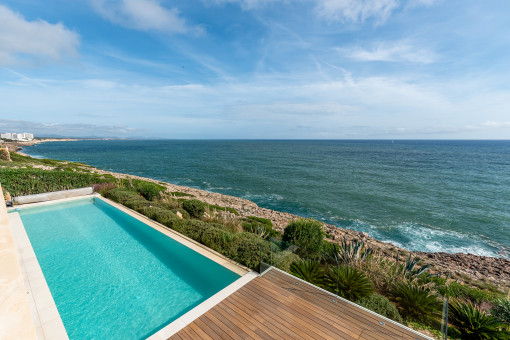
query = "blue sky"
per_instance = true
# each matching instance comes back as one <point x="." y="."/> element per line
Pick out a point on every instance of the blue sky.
<point x="334" y="69"/>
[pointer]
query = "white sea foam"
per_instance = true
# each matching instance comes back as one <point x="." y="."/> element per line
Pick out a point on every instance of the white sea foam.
<point x="420" y="237"/>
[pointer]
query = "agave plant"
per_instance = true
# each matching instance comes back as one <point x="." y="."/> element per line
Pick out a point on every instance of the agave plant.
<point x="416" y="302"/>
<point x="349" y="282"/>
<point x="410" y="269"/>
<point x="353" y="252"/>
<point x="308" y="270"/>
<point x="473" y="323"/>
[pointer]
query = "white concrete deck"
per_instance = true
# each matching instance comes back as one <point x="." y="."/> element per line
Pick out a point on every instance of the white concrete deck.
<point x="15" y="316"/>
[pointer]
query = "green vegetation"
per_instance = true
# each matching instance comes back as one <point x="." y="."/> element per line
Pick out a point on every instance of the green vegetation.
<point x="381" y="305"/>
<point x="472" y="323"/>
<point x="28" y="181"/>
<point x="349" y="282"/>
<point x="213" y="207"/>
<point x="308" y="270"/>
<point x="194" y="207"/>
<point x="181" y="194"/>
<point x="415" y="302"/>
<point x="305" y="233"/>
<point x="259" y="226"/>
<point x="501" y="310"/>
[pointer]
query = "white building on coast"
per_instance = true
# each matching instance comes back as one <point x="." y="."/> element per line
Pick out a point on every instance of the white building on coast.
<point x="22" y="137"/>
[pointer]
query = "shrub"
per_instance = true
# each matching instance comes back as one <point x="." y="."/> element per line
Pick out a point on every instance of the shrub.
<point x="381" y="305"/>
<point x="194" y="207"/>
<point x="416" y="302"/>
<point x="158" y="214"/>
<point x="259" y="225"/>
<point x="353" y="252"/>
<point x="122" y="195"/>
<point x="501" y="310"/>
<point x="349" y="282"/>
<point x="103" y="188"/>
<point x="459" y="290"/>
<point x="472" y="323"/>
<point x="249" y="249"/>
<point x="283" y="260"/>
<point x="148" y="190"/>
<point x="309" y="271"/>
<point x="305" y="233"/>
<point x="220" y="240"/>
<point x="183" y="212"/>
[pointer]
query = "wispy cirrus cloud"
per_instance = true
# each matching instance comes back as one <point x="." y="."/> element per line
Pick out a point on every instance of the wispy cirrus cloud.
<point x="356" y="10"/>
<point x="390" y="51"/>
<point x="27" y="43"/>
<point x="145" y="15"/>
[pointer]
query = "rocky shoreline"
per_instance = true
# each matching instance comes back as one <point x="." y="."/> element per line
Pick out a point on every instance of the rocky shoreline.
<point x="466" y="268"/>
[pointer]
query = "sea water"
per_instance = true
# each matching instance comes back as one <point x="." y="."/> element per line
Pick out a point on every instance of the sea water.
<point x="451" y="196"/>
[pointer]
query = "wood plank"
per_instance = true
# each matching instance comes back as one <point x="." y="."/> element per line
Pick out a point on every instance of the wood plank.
<point x="271" y="316"/>
<point x="274" y="307"/>
<point x="241" y="310"/>
<point x="263" y="317"/>
<point x="310" y="310"/>
<point x="312" y="323"/>
<point x="214" y="313"/>
<point x="344" y="308"/>
<point x="227" y="331"/>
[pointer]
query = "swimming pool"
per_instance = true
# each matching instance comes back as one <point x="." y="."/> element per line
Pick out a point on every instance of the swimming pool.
<point x="113" y="276"/>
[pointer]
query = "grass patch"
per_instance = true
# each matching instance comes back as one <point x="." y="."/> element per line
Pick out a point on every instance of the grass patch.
<point x="181" y="194"/>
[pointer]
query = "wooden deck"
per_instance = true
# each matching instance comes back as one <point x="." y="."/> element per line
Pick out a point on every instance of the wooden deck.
<point x="278" y="306"/>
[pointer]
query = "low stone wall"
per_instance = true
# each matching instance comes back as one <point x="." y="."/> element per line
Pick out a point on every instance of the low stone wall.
<point x="50" y="196"/>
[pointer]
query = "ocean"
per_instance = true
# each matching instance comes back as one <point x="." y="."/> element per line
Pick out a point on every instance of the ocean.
<point x="435" y="196"/>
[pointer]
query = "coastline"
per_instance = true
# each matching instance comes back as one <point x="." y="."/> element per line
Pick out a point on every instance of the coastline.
<point x="464" y="267"/>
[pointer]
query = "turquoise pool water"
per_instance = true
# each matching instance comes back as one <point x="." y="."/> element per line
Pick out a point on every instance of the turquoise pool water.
<point x="112" y="276"/>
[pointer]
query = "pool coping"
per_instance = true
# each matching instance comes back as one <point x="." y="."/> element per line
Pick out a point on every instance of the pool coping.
<point x="43" y="309"/>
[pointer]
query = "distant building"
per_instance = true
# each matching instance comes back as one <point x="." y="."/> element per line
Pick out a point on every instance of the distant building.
<point x="18" y="136"/>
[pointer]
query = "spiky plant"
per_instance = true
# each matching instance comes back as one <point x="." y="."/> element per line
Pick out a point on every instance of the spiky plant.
<point x="353" y="252"/>
<point x="410" y="270"/>
<point x="349" y="282"/>
<point x="416" y="302"/>
<point x="308" y="270"/>
<point x="473" y="323"/>
<point x="501" y="310"/>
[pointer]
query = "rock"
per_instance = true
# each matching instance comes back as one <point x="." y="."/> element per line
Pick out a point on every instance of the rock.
<point x="179" y="214"/>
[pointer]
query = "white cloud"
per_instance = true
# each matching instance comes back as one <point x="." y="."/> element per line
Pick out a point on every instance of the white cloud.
<point x="25" y="42"/>
<point x="392" y="52"/>
<point x="245" y="4"/>
<point x="356" y="10"/>
<point x="145" y="15"/>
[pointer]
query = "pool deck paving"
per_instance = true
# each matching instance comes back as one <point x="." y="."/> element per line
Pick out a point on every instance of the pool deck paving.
<point x="280" y="306"/>
<point x="15" y="315"/>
